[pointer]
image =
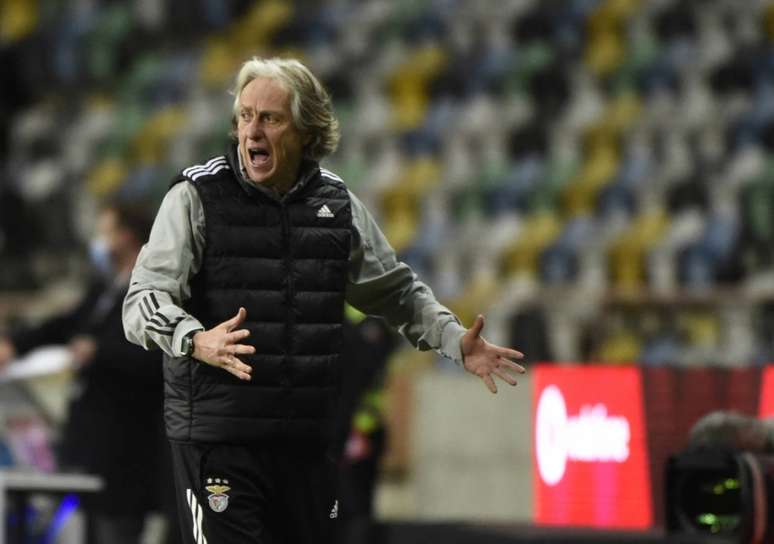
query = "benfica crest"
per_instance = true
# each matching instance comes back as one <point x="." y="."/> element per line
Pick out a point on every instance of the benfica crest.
<point x="218" y="498"/>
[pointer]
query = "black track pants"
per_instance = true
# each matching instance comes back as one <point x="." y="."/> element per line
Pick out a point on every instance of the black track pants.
<point x="229" y="494"/>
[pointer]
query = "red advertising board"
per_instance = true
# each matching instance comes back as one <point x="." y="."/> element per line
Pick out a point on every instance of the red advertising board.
<point x="766" y="404"/>
<point x="590" y="459"/>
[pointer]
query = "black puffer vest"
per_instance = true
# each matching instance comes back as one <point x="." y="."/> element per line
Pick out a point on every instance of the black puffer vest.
<point x="286" y="262"/>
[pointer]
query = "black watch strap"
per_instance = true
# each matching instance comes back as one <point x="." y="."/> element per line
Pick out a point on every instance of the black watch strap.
<point x="188" y="344"/>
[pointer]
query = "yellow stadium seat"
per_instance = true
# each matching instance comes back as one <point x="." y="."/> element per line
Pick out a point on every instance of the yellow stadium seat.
<point x="219" y="61"/>
<point x="400" y="203"/>
<point x="628" y="254"/>
<point x="257" y="27"/>
<point x="106" y="176"/>
<point x="769" y="22"/>
<point x="481" y="292"/>
<point x="623" y="347"/>
<point x="621" y="9"/>
<point x="18" y="18"/>
<point x="521" y="258"/>
<point x="409" y="85"/>
<point x="400" y="224"/>
<point x="605" y="52"/>
<point x="598" y="169"/>
<point x="700" y="328"/>
<point x="250" y="35"/>
<point x="606" y="48"/>
<point x="149" y="145"/>
<point x="623" y="112"/>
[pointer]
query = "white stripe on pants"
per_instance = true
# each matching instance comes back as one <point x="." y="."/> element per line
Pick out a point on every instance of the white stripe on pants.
<point x="196" y="516"/>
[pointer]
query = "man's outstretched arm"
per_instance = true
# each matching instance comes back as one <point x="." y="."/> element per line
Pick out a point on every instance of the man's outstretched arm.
<point x="381" y="285"/>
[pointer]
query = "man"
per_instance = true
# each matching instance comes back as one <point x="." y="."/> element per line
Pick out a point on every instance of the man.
<point x="242" y="284"/>
<point x="114" y="422"/>
<point x="732" y="430"/>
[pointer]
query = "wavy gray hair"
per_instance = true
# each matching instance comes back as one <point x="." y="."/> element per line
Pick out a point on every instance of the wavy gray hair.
<point x="310" y="103"/>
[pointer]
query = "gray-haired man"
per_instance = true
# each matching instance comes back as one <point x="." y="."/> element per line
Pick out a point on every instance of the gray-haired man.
<point x="242" y="284"/>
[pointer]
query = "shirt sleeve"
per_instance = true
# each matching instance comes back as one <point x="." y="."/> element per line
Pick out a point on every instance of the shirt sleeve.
<point x="153" y="312"/>
<point x="381" y="285"/>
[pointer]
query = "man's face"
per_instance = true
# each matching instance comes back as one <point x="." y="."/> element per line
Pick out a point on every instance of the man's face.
<point x="269" y="143"/>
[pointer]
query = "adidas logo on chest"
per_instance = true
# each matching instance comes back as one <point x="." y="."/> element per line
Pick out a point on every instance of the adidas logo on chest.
<point x="324" y="211"/>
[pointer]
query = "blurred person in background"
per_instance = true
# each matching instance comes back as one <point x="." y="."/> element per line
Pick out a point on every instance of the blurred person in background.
<point x="361" y="435"/>
<point x="114" y="423"/>
<point x="242" y="284"/>
<point x="731" y="430"/>
<point x="17" y="237"/>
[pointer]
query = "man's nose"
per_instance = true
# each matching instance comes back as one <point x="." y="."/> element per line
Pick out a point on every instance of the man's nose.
<point x="255" y="128"/>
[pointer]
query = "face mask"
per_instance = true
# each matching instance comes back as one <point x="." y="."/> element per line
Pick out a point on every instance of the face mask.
<point x="100" y="256"/>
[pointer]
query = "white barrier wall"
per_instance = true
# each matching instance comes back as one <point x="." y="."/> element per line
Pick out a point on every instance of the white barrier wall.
<point x="471" y="449"/>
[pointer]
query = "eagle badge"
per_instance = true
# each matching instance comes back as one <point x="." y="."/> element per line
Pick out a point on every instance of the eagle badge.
<point x="218" y="499"/>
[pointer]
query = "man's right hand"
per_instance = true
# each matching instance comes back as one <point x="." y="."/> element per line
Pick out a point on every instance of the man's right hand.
<point x="219" y="346"/>
<point x="7" y="352"/>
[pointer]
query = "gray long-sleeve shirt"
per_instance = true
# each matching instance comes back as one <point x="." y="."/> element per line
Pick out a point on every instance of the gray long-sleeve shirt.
<point x="378" y="283"/>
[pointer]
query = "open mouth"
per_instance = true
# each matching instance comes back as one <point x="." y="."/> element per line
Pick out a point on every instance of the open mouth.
<point x="258" y="156"/>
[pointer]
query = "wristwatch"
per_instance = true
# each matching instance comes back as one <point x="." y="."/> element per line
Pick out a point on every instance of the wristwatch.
<point x="187" y="344"/>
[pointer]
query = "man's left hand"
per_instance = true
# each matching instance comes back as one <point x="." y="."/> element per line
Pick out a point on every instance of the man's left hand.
<point x="484" y="359"/>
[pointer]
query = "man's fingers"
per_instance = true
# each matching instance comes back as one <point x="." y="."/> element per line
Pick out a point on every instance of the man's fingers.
<point x="489" y="383"/>
<point x="241" y="349"/>
<point x="237" y="367"/>
<point x="235" y="321"/>
<point x="235" y="336"/>
<point x="511" y="365"/>
<point x="504" y="376"/>
<point x="509" y="353"/>
<point x="241" y="375"/>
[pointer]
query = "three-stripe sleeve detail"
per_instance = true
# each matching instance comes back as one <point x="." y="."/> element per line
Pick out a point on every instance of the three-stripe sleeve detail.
<point x="161" y="318"/>
<point x="146" y="301"/>
<point x="144" y="312"/>
<point x="155" y="320"/>
<point x="166" y="330"/>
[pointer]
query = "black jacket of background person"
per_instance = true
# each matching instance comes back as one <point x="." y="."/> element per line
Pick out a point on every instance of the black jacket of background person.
<point x="114" y="424"/>
<point x="367" y="347"/>
<point x="286" y="263"/>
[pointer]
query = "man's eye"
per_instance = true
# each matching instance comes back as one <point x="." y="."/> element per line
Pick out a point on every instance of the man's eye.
<point x="245" y="116"/>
